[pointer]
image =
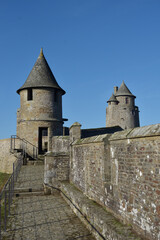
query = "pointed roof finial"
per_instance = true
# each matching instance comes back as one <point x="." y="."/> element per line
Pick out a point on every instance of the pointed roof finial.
<point x="41" y="53"/>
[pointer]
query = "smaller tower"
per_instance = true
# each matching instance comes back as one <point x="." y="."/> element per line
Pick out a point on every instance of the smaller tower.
<point x="121" y="110"/>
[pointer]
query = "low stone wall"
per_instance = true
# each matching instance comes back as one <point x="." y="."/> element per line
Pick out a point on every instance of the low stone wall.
<point x="6" y="157"/>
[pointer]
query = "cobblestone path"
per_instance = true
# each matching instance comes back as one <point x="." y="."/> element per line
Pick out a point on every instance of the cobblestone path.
<point x="39" y="217"/>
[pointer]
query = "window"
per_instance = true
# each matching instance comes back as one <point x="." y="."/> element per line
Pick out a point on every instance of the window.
<point x="30" y="94"/>
<point x="126" y="100"/>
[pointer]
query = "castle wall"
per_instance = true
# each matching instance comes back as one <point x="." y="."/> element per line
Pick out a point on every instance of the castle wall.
<point x="123" y="175"/>
<point x="135" y="180"/>
<point x="6" y="157"/>
<point x="120" y="171"/>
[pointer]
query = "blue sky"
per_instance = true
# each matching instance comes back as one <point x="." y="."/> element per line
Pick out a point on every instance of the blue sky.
<point x="91" y="46"/>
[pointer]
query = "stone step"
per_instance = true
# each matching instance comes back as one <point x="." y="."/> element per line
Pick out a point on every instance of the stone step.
<point x="35" y="162"/>
<point x="41" y="157"/>
<point x="23" y="192"/>
<point x="27" y="194"/>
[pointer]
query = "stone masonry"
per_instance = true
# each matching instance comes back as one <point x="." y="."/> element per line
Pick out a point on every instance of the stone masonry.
<point x="120" y="172"/>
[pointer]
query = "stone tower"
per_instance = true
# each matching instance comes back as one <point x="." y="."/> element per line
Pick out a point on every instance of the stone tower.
<point x="121" y="109"/>
<point x="40" y="114"/>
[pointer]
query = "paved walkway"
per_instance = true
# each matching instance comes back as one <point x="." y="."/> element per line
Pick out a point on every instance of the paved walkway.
<point x="42" y="217"/>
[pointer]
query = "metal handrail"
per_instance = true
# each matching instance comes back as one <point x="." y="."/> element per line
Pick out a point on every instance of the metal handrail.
<point x="6" y="195"/>
<point x="24" y="146"/>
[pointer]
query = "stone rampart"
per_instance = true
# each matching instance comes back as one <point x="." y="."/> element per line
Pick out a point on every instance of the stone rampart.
<point x="122" y="173"/>
<point x="135" y="178"/>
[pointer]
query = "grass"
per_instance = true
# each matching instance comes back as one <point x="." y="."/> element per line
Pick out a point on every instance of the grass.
<point x="3" y="179"/>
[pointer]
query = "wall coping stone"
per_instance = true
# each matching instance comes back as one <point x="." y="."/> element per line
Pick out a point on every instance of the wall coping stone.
<point x="139" y="132"/>
<point x="56" y="154"/>
<point x="61" y="137"/>
<point x="5" y="139"/>
<point x="94" y="139"/>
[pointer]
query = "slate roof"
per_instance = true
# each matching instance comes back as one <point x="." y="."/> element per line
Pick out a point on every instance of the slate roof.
<point x="123" y="91"/>
<point x="112" y="99"/>
<point x="41" y="76"/>
<point x="85" y="133"/>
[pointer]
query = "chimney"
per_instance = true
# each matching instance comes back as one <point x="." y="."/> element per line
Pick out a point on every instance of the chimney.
<point x="115" y="90"/>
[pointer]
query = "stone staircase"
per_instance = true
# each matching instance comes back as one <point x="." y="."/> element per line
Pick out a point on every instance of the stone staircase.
<point x="35" y="216"/>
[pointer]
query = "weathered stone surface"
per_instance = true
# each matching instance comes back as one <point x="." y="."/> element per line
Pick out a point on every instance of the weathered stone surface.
<point x="56" y="168"/>
<point x="6" y="157"/>
<point x="60" y="144"/>
<point x="122" y="173"/>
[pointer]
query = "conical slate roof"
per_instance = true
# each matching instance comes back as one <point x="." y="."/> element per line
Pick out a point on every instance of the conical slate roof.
<point x="123" y="91"/>
<point x="112" y="99"/>
<point x="41" y="76"/>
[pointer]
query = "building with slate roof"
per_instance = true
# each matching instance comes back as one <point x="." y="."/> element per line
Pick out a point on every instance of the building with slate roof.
<point x="39" y="117"/>
<point x="121" y="110"/>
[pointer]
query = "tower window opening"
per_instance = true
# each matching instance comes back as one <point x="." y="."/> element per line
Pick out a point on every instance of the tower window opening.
<point x="126" y="100"/>
<point x="30" y="94"/>
<point x="55" y="95"/>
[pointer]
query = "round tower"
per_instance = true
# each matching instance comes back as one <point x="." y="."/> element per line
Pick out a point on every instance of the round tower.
<point x="121" y="109"/>
<point x="40" y="114"/>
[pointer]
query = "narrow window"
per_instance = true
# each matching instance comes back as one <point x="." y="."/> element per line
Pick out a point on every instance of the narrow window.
<point x="127" y="100"/>
<point x="30" y="94"/>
